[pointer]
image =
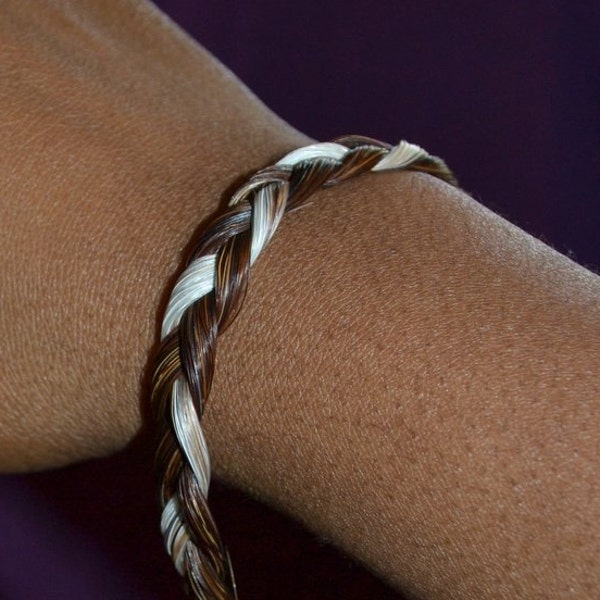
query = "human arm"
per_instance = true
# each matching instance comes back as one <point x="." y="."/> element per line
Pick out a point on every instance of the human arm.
<point x="454" y="288"/>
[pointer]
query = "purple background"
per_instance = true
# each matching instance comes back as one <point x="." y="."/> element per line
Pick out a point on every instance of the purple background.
<point x="508" y="94"/>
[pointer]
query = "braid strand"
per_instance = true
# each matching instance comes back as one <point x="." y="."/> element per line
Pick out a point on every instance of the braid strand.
<point x="204" y="302"/>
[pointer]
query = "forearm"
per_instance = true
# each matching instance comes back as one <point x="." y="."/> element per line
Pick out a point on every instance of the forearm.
<point x="418" y="380"/>
<point x="410" y="375"/>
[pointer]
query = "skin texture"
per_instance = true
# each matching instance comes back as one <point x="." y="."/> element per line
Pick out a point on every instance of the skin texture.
<point x="411" y="375"/>
<point x="108" y="163"/>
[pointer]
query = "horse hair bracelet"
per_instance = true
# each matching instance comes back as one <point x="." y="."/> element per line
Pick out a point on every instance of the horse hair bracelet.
<point x="204" y="301"/>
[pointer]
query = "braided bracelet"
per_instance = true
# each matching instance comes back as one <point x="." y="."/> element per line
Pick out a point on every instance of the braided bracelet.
<point x="205" y="300"/>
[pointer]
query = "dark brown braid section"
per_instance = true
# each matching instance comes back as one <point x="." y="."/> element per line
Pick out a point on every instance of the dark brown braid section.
<point x="204" y="302"/>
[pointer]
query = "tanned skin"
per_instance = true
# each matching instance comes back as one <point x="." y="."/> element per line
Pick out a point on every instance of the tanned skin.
<point x="411" y="375"/>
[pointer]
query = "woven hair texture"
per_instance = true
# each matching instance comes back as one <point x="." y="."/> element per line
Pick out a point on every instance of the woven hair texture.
<point x="205" y="300"/>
